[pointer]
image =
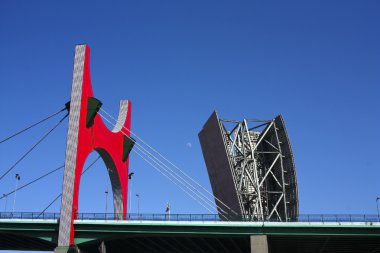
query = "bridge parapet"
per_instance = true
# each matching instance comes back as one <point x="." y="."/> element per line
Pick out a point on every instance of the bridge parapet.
<point x="304" y="218"/>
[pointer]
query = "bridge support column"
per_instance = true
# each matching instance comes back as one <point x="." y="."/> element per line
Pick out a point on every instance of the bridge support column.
<point x="61" y="249"/>
<point x="259" y="244"/>
<point x="67" y="249"/>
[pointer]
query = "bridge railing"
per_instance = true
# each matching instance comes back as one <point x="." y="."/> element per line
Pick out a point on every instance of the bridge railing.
<point x="29" y="215"/>
<point x="187" y="217"/>
<point x="338" y="218"/>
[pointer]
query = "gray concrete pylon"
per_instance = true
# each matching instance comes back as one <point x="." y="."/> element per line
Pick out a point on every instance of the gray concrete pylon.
<point x="259" y="244"/>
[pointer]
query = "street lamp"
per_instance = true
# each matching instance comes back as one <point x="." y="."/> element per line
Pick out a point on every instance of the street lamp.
<point x="377" y="205"/>
<point x="130" y="175"/>
<point x="17" y="176"/>
<point x="138" y="204"/>
<point x="106" y="192"/>
<point x="6" y="201"/>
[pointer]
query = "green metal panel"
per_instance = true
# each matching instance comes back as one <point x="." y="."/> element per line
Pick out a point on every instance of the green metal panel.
<point x="93" y="106"/>
<point x="128" y="144"/>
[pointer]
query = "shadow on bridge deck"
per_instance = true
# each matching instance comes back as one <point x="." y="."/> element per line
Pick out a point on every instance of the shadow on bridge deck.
<point x="17" y="241"/>
<point x="236" y="244"/>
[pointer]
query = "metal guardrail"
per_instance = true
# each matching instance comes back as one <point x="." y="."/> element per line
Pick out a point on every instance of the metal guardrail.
<point x="338" y="218"/>
<point x="28" y="215"/>
<point x="187" y="217"/>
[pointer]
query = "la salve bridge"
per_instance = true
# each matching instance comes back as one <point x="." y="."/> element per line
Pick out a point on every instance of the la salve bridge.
<point x="257" y="205"/>
<point x="193" y="233"/>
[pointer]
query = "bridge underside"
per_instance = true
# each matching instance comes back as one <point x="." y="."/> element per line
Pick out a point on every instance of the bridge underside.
<point x="15" y="241"/>
<point x="204" y="244"/>
<point x="236" y="244"/>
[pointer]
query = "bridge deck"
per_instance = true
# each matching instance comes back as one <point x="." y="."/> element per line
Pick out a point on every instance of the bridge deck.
<point x="194" y="236"/>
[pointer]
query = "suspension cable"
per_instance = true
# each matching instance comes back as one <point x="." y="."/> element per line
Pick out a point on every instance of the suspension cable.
<point x="171" y="180"/>
<point x="197" y="198"/>
<point x="59" y="195"/>
<point x="89" y="166"/>
<point x="182" y="172"/>
<point x="175" y="176"/>
<point x="179" y="181"/>
<point x="31" y="182"/>
<point x="35" y="145"/>
<point x="51" y="203"/>
<point x="31" y="126"/>
<point x="171" y="173"/>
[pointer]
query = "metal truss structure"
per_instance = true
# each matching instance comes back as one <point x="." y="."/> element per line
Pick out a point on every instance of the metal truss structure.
<point x="251" y="167"/>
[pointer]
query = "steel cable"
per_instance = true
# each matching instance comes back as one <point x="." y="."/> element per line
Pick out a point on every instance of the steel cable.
<point x="56" y="198"/>
<point x="173" y="174"/>
<point x="165" y="175"/>
<point x="31" y="126"/>
<point x="31" y="182"/>
<point x="176" y="167"/>
<point x="162" y="165"/>
<point x="33" y="147"/>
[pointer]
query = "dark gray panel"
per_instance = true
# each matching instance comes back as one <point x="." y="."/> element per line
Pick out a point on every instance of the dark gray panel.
<point x="289" y="166"/>
<point x="218" y="166"/>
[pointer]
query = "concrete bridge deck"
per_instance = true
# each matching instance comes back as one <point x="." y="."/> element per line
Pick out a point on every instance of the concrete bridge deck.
<point x="195" y="236"/>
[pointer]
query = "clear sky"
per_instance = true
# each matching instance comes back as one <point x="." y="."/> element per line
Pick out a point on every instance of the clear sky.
<point x="315" y="62"/>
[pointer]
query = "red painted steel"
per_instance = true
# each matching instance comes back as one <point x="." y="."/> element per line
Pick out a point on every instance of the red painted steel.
<point x="98" y="137"/>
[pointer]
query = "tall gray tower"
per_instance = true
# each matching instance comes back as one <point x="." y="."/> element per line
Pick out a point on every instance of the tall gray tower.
<point x="251" y="168"/>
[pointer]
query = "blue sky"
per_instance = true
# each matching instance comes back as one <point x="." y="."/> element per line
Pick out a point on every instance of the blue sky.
<point x="315" y="62"/>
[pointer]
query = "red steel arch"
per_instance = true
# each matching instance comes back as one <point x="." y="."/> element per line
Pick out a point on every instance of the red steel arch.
<point x="86" y="133"/>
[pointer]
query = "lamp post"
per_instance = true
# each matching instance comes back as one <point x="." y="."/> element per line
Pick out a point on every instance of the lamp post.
<point x="6" y="201"/>
<point x="17" y="176"/>
<point x="106" y="192"/>
<point x="130" y="175"/>
<point x="138" y="204"/>
<point x="377" y="205"/>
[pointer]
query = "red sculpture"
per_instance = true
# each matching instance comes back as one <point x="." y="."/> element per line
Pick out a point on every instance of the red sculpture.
<point x="86" y="133"/>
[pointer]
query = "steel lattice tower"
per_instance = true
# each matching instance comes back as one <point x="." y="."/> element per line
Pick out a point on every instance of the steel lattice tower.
<point x="251" y="168"/>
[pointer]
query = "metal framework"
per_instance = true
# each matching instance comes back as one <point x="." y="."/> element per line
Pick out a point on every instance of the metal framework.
<point x="258" y="165"/>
